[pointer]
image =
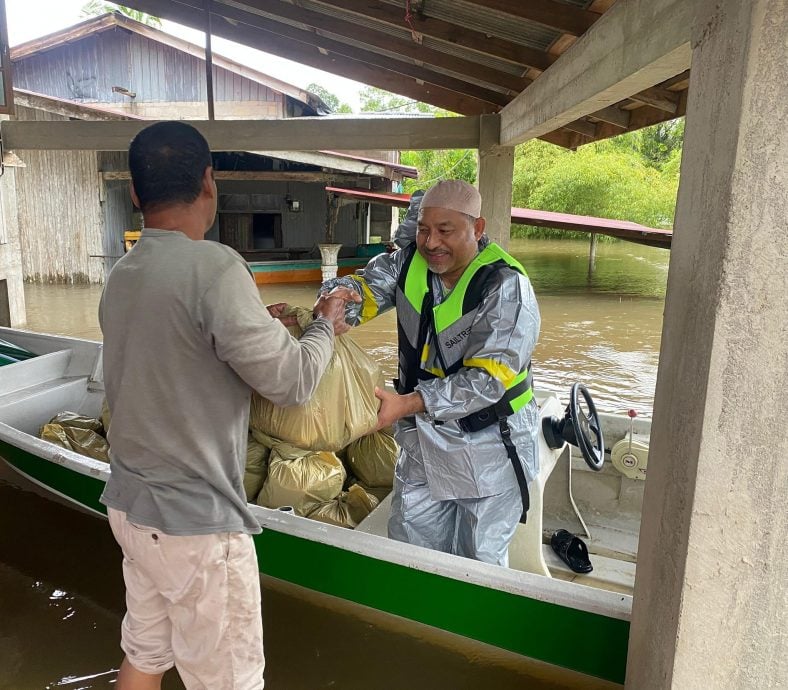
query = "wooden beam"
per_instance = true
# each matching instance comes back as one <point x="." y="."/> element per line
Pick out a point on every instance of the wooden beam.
<point x="612" y="115"/>
<point x="556" y="15"/>
<point x="446" y="31"/>
<point x="259" y="176"/>
<point x="636" y="44"/>
<point x="29" y="99"/>
<point x="319" y="57"/>
<point x="662" y="99"/>
<point x="384" y="40"/>
<point x="583" y="127"/>
<point x="496" y="165"/>
<point x="303" y="133"/>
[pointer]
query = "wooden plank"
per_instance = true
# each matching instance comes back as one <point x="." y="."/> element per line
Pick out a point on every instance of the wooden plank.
<point x="453" y="33"/>
<point x="656" y="97"/>
<point x="262" y="176"/>
<point x="556" y="15"/>
<point x="307" y="134"/>
<point x="382" y="39"/>
<point x="635" y="45"/>
<point x="613" y="115"/>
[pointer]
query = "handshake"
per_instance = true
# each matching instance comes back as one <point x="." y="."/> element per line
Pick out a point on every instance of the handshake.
<point x="329" y="305"/>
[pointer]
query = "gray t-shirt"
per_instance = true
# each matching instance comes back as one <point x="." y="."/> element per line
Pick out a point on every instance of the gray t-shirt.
<point x="186" y="339"/>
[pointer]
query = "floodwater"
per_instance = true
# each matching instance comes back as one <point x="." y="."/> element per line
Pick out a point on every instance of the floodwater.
<point x="61" y="589"/>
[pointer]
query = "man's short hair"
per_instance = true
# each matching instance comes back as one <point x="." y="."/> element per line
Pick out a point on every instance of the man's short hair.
<point x="167" y="163"/>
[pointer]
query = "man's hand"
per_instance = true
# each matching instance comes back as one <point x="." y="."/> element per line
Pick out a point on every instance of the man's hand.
<point x="394" y="406"/>
<point x="332" y="307"/>
<point x="277" y="310"/>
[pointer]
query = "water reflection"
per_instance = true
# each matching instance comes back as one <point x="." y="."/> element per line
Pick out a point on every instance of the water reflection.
<point x="604" y="331"/>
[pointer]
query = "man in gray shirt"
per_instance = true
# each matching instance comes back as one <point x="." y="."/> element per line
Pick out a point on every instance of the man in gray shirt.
<point x="186" y="339"/>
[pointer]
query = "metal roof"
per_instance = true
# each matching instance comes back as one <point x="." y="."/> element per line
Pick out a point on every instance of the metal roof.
<point x="466" y="56"/>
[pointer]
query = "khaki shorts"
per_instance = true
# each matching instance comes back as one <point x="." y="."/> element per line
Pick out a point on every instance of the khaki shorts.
<point x="193" y="603"/>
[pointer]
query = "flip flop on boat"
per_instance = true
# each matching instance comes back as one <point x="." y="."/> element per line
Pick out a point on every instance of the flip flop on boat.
<point x="572" y="551"/>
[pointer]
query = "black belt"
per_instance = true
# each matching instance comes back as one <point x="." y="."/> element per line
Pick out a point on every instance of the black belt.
<point x="503" y="408"/>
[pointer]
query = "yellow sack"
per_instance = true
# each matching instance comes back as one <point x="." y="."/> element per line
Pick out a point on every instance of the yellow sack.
<point x="301" y="478"/>
<point x="377" y="492"/>
<point x="343" y="408"/>
<point x="347" y="509"/>
<point x="105" y="416"/>
<point x="78" y="421"/>
<point x="82" y="441"/>
<point x="372" y="458"/>
<point x="335" y="512"/>
<point x="256" y="467"/>
<point x="360" y="503"/>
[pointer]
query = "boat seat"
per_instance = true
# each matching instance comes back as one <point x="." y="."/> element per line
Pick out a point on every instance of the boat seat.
<point x="525" y="551"/>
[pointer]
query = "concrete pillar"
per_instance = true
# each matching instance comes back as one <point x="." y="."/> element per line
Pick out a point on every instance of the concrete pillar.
<point x="711" y="602"/>
<point x="496" y="167"/>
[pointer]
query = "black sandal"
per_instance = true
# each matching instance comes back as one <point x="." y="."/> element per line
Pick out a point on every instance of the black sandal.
<point x="572" y="551"/>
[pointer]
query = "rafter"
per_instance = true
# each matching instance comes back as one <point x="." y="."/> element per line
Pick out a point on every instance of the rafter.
<point x="453" y="33"/>
<point x="564" y="18"/>
<point x="380" y="39"/>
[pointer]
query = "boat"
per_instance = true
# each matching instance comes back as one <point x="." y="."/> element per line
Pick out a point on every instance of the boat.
<point x="537" y="608"/>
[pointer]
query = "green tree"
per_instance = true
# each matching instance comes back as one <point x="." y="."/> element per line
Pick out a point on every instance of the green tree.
<point x="96" y="7"/>
<point x="330" y="99"/>
<point x="374" y="100"/>
<point x="605" y="179"/>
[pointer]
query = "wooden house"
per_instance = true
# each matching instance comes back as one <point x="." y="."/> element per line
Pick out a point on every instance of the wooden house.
<point x="74" y="207"/>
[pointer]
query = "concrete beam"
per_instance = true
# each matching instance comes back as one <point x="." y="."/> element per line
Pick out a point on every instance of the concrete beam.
<point x="303" y="133"/>
<point x="496" y="167"/>
<point x="635" y="45"/>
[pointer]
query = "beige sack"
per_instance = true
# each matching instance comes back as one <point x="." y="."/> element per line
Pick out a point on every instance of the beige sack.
<point x="372" y="459"/>
<point x="334" y="512"/>
<point x="301" y="478"/>
<point x="82" y="441"/>
<point x="78" y="421"/>
<point x="346" y="510"/>
<point x="105" y="416"/>
<point x="256" y="467"/>
<point x="343" y="408"/>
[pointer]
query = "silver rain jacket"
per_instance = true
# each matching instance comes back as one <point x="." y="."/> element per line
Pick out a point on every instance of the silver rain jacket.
<point x="502" y="337"/>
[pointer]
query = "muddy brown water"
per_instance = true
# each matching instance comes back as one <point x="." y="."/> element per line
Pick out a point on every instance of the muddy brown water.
<point x="61" y="589"/>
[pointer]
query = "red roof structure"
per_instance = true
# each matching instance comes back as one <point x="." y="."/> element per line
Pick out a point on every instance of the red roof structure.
<point x="623" y="229"/>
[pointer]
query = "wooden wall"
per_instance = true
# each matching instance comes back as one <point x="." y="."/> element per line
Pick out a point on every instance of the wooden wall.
<point x="166" y="81"/>
<point x="60" y="220"/>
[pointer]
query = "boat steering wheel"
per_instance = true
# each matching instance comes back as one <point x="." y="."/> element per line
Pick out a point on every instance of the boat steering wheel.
<point x="580" y="427"/>
<point x="588" y="430"/>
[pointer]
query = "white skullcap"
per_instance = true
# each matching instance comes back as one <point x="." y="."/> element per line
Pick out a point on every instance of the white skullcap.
<point x="455" y="195"/>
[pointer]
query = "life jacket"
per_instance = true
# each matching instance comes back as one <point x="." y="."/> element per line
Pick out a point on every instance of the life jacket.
<point x="450" y="324"/>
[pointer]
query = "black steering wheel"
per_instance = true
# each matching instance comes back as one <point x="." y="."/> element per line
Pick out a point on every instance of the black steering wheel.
<point x="580" y="427"/>
<point x="585" y="424"/>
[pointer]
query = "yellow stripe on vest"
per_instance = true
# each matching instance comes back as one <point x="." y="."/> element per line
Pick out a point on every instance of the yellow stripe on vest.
<point x="500" y="372"/>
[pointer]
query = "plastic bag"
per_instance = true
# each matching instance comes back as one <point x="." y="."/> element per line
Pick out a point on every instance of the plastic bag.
<point x="83" y="441"/>
<point x="343" y="408"/>
<point x="106" y="416"/>
<point x="256" y="468"/>
<point x="78" y="421"/>
<point x="301" y="478"/>
<point x="346" y="510"/>
<point x="372" y="459"/>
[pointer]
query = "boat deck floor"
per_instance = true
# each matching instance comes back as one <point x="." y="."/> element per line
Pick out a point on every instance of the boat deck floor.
<point x="611" y="573"/>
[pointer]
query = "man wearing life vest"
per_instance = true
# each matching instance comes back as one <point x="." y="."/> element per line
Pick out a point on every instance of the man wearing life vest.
<point x="465" y="416"/>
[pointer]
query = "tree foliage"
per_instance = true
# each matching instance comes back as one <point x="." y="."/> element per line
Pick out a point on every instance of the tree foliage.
<point x="329" y="98"/>
<point x="96" y="7"/>
<point x="631" y="177"/>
